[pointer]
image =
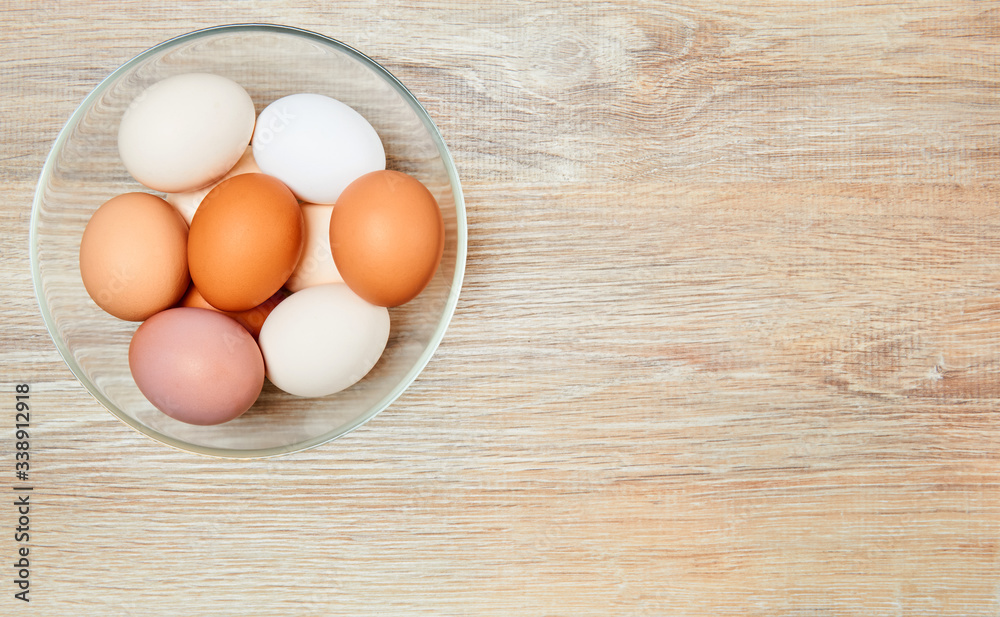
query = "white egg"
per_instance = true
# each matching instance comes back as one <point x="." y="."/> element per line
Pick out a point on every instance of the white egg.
<point x="316" y="145"/>
<point x="185" y="131"/>
<point x="316" y="266"/>
<point x="187" y="203"/>
<point x="322" y="339"/>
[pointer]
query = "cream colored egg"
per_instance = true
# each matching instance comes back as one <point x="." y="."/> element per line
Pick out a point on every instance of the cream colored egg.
<point x="187" y="203"/>
<point x="322" y="339"/>
<point x="316" y="265"/>
<point x="186" y="131"/>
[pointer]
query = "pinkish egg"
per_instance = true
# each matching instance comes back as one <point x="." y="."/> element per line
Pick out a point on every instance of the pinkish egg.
<point x="196" y="365"/>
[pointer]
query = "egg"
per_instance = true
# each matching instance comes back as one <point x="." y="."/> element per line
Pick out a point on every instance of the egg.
<point x="316" y="145"/>
<point x="322" y="339"/>
<point x="387" y="237"/>
<point x="196" y="365"/>
<point x="187" y="203"/>
<point x="185" y="131"/>
<point x="133" y="256"/>
<point x="245" y="241"/>
<point x="316" y="266"/>
<point x="251" y="320"/>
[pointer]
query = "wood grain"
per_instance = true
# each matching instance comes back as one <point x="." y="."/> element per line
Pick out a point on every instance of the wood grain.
<point x="729" y="342"/>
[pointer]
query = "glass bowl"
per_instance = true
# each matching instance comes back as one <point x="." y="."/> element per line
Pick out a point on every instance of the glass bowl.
<point x="83" y="171"/>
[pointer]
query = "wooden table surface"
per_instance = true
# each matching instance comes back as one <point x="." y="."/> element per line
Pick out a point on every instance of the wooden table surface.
<point x="728" y="343"/>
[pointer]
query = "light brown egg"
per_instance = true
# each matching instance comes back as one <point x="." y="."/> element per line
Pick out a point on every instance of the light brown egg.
<point x="251" y="320"/>
<point x="133" y="256"/>
<point x="245" y="240"/>
<point x="387" y="237"/>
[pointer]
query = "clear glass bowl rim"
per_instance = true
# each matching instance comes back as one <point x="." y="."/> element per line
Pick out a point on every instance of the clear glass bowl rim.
<point x="460" y="250"/>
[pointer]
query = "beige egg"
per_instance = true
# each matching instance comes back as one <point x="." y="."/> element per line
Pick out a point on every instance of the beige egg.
<point x="187" y="203"/>
<point x="316" y="266"/>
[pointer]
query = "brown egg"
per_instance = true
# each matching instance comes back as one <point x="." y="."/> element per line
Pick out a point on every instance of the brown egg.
<point x="251" y="320"/>
<point x="245" y="240"/>
<point x="133" y="256"/>
<point x="387" y="237"/>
